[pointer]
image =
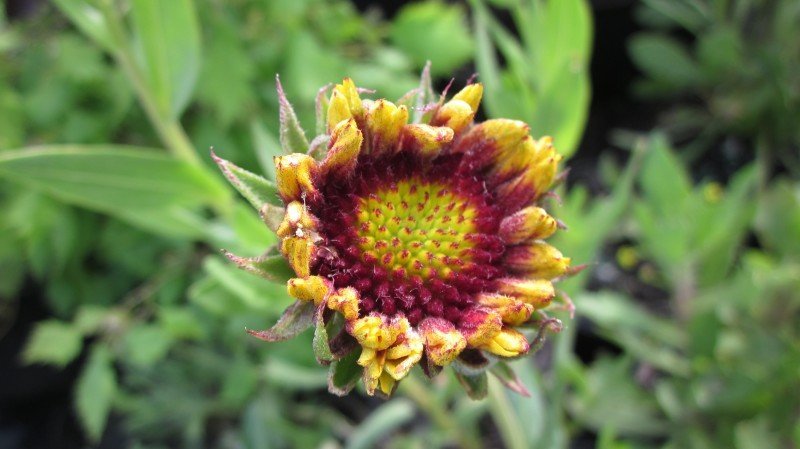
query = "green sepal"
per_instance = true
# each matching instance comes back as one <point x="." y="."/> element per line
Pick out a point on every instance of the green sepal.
<point x="321" y="110"/>
<point x="274" y="268"/>
<point x="293" y="138"/>
<point x="321" y="343"/>
<point x="295" y="319"/>
<point x="471" y="362"/>
<point x="343" y="374"/>
<point x="508" y="377"/>
<point x="272" y="216"/>
<point x="256" y="189"/>
<point x="425" y="96"/>
<point x="477" y="386"/>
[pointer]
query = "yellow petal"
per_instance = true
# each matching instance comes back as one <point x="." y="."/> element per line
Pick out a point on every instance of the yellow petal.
<point x="405" y="353"/>
<point x="387" y="383"/>
<point x="345" y="301"/>
<point x="294" y="173"/>
<point x="443" y="342"/>
<point x="385" y="120"/>
<point x="427" y="140"/>
<point x="536" y="292"/>
<point x="526" y="224"/>
<point x="377" y="331"/>
<point x="343" y="149"/>
<point x="478" y="326"/>
<point x="512" y="310"/>
<point x="297" y="221"/>
<point x="338" y="109"/>
<point x="312" y="288"/>
<point x="455" y="114"/>
<point x="507" y="343"/>
<point x="298" y="251"/>
<point x="471" y="94"/>
<point x="536" y="260"/>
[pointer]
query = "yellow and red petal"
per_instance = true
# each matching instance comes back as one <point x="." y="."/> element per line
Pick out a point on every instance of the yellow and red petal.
<point x="297" y="221"/>
<point x="455" y="114"/>
<point x="536" y="292"/>
<point x="345" y="301"/>
<point x="384" y="121"/>
<point x="298" y="251"/>
<point x="312" y="288"/>
<point x="512" y="310"/>
<point x="507" y="343"/>
<point x="536" y="260"/>
<point x="403" y="355"/>
<point x="294" y="174"/>
<point x="377" y="331"/>
<point x="343" y="149"/>
<point x="479" y="325"/>
<point x="443" y="342"/>
<point x="426" y="140"/>
<point x="493" y="140"/>
<point x="527" y="224"/>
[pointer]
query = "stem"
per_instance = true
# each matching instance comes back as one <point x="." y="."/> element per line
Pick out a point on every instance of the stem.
<point x="415" y="390"/>
<point x="505" y="417"/>
<point x="169" y="129"/>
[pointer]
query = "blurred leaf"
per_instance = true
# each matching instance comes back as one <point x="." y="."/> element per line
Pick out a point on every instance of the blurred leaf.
<point x="689" y="15"/>
<point x="94" y="392"/>
<point x="240" y="382"/>
<point x="476" y="387"/>
<point x="181" y="323"/>
<point x="508" y="377"/>
<point x="88" y="19"/>
<point x="663" y="59"/>
<point x="381" y="423"/>
<point x="110" y="178"/>
<point x="266" y="147"/>
<point x="433" y="31"/>
<point x="292" y="376"/>
<point x="778" y="219"/>
<point x="255" y="293"/>
<point x="146" y="344"/>
<point x="53" y="342"/>
<point x="664" y="180"/>
<point x="344" y="374"/>
<point x="295" y="319"/>
<point x="168" y="37"/>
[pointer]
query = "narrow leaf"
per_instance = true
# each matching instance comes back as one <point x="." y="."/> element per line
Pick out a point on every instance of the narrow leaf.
<point x="273" y="268"/>
<point x="293" y="138"/>
<point x="89" y="20"/>
<point x="508" y="377"/>
<point x="295" y="319"/>
<point x="321" y="344"/>
<point x="96" y="387"/>
<point x="256" y="189"/>
<point x="344" y="374"/>
<point x="169" y="38"/>
<point x="477" y="386"/>
<point x="388" y="417"/>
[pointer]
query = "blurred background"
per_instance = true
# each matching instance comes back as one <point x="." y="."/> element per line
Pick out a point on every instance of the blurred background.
<point x="121" y="325"/>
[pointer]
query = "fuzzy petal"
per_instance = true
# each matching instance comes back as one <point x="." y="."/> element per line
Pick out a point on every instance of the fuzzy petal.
<point x="507" y="343"/>
<point x="443" y="342"/>
<point x="536" y="292"/>
<point x="385" y="120"/>
<point x="527" y="224"/>
<point x="455" y="114"/>
<point x="297" y="221"/>
<point x="345" y="301"/>
<point x="479" y="326"/>
<point x="294" y="174"/>
<point x="471" y="94"/>
<point x="312" y="288"/>
<point x="513" y="311"/>
<point x="345" y="103"/>
<point x="401" y="357"/>
<point x="343" y="149"/>
<point x="490" y="141"/>
<point x="425" y="139"/>
<point x="377" y="331"/>
<point x="298" y="251"/>
<point x="536" y="260"/>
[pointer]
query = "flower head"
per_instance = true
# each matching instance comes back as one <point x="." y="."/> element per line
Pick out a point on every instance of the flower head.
<point x="425" y="239"/>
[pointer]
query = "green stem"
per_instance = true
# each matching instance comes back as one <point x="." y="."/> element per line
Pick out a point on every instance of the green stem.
<point x="505" y="417"/>
<point x="414" y="389"/>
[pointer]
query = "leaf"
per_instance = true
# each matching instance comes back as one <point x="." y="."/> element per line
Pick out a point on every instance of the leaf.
<point x="381" y="423"/>
<point x="266" y="147"/>
<point x="663" y="59"/>
<point x="114" y="179"/>
<point x="295" y="319"/>
<point x="94" y="392"/>
<point x="89" y="20"/>
<point x="168" y="36"/>
<point x="53" y="342"/>
<point x="343" y="374"/>
<point x="293" y="138"/>
<point x="321" y="343"/>
<point x="506" y="375"/>
<point x="477" y="386"/>
<point x="256" y="189"/>
<point x="146" y="344"/>
<point x="433" y="31"/>
<point x="273" y="268"/>
<point x="664" y="179"/>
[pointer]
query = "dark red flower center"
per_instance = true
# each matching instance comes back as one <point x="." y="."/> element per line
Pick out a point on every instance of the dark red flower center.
<point x="414" y="237"/>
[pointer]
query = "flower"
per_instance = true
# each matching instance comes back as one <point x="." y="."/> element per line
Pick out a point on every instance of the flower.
<point x="417" y="242"/>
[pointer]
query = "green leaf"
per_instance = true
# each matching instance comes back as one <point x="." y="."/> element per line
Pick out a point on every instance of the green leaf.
<point x="114" y="179"/>
<point x="89" y="20"/>
<point x="266" y="147"/>
<point x="168" y="36"/>
<point x="53" y="342"/>
<point x="664" y="179"/>
<point x="477" y="386"/>
<point x="293" y="138"/>
<point x="344" y="374"/>
<point x="381" y="423"/>
<point x="506" y="375"/>
<point x="256" y="189"/>
<point x="321" y="342"/>
<point x="295" y="319"/>
<point x="95" y="390"/>
<point x="433" y="31"/>
<point x="664" y="60"/>
<point x="146" y="344"/>
<point x="273" y="268"/>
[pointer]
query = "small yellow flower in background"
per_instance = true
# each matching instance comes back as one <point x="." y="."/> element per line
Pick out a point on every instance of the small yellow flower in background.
<point x="411" y="242"/>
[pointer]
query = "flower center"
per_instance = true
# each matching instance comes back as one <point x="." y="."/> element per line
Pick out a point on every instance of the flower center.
<point x="416" y="228"/>
<point x="418" y="239"/>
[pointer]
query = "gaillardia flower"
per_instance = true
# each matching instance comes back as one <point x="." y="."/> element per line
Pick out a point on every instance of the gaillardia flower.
<point x="410" y="241"/>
